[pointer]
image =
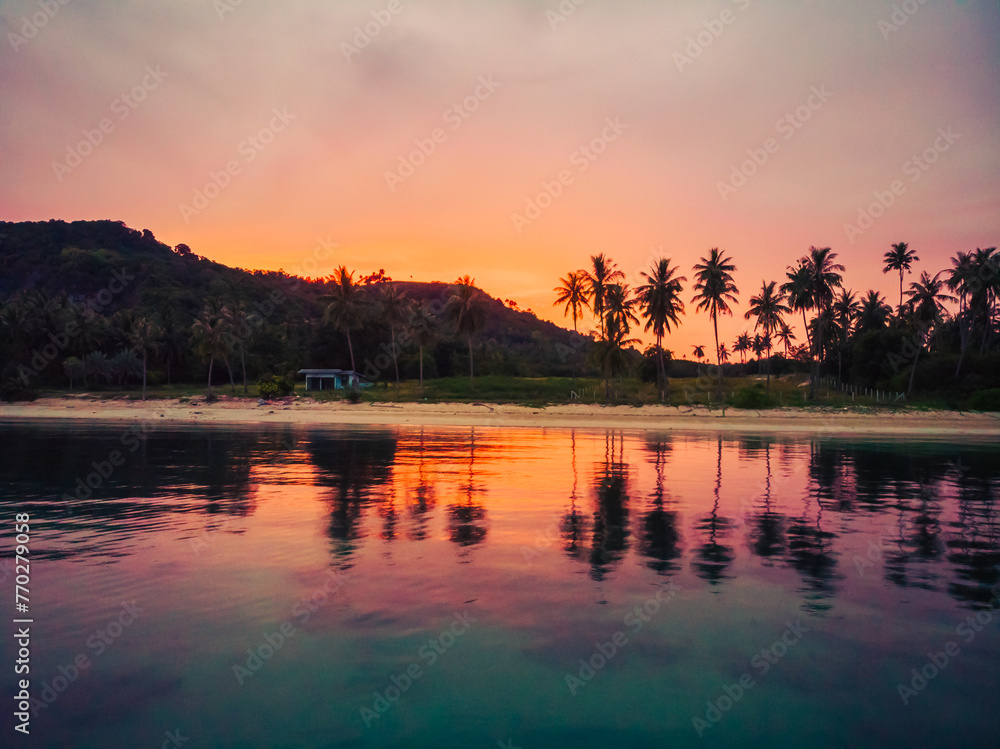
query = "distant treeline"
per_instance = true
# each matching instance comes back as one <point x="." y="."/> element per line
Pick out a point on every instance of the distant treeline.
<point x="99" y="304"/>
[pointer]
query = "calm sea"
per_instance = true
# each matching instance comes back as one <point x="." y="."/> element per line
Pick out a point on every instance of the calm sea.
<point x="499" y="587"/>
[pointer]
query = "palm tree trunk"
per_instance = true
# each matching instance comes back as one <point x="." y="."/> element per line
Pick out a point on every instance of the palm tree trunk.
<point x="144" y="374"/>
<point x="662" y="373"/>
<point x="211" y="362"/>
<point x="350" y="349"/>
<point x="421" y="368"/>
<point x="768" y="368"/>
<point x="469" y="338"/>
<point x="392" y="332"/>
<point x="814" y="389"/>
<point x="243" y="361"/>
<point x="913" y="372"/>
<point x="718" y="354"/>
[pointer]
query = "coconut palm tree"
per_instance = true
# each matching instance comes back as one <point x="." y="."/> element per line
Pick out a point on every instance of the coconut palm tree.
<point x="873" y="312"/>
<point x="699" y="352"/>
<point x="603" y="273"/>
<point x="145" y="339"/>
<point x="73" y="368"/>
<point x="925" y="301"/>
<point x="609" y="352"/>
<point x="392" y="307"/>
<point x="465" y="309"/>
<point x="661" y="305"/>
<point x="742" y="345"/>
<point x="209" y="331"/>
<point x="723" y="353"/>
<point x="845" y="311"/>
<point x="344" y="307"/>
<point x="798" y="290"/>
<point x="786" y="336"/>
<point x="899" y="258"/>
<point x="768" y="306"/>
<point x="572" y="292"/>
<point x="423" y="328"/>
<point x="824" y="275"/>
<point x="760" y="344"/>
<point x="716" y="288"/>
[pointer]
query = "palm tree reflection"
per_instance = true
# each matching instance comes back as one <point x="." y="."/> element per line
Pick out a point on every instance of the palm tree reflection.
<point x="610" y="530"/>
<point x="466" y="519"/>
<point x="660" y="542"/>
<point x="574" y="525"/>
<point x="714" y="557"/>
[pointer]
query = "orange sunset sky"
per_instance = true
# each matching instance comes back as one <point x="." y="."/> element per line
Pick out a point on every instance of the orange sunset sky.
<point x="758" y="127"/>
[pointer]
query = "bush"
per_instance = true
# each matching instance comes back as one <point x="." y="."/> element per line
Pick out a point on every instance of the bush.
<point x="753" y="396"/>
<point x="275" y="386"/>
<point x="985" y="400"/>
<point x="352" y="396"/>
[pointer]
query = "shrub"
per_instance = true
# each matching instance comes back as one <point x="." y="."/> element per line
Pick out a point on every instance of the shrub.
<point x="985" y="400"/>
<point x="352" y="396"/>
<point x="275" y="386"/>
<point x="753" y="396"/>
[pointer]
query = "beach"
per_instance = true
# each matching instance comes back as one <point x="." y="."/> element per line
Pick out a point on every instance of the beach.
<point x="305" y="411"/>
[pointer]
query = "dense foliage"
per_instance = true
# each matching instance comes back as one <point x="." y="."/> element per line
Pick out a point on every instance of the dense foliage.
<point x="99" y="304"/>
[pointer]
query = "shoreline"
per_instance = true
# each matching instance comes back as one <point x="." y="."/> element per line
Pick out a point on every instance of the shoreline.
<point x="650" y="417"/>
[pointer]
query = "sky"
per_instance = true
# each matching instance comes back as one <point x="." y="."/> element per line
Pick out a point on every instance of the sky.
<point x="511" y="141"/>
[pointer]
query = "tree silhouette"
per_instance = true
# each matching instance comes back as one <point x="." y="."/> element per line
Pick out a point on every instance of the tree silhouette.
<point x="716" y="288"/>
<point x="465" y="310"/>
<point x="661" y="306"/>
<point x="899" y="258"/>
<point x="768" y="306"/>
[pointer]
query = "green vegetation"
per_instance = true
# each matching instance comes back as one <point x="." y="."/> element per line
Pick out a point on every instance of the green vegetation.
<point x="106" y="308"/>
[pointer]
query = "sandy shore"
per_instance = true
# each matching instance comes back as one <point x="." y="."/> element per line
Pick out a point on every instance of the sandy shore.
<point x="308" y="412"/>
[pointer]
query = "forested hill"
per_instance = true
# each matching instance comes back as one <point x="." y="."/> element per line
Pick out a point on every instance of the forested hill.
<point x="52" y="271"/>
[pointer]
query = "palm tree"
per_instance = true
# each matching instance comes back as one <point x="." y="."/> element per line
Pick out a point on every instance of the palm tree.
<point x="145" y="338"/>
<point x="240" y="329"/>
<point x="873" y="313"/>
<point x="768" y="307"/>
<point x="699" y="352"/>
<point x="845" y="311"/>
<point x="344" y="308"/>
<point x="174" y="339"/>
<point x="824" y="275"/>
<point x="392" y="310"/>
<point x="423" y="328"/>
<point x="609" y="352"/>
<point x="723" y="354"/>
<point x="760" y="344"/>
<point x="798" y="290"/>
<point x="572" y="292"/>
<point x="786" y="336"/>
<point x="925" y="297"/>
<point x="661" y="306"/>
<point x="209" y="331"/>
<point x="716" y="288"/>
<point x="900" y="258"/>
<point x="73" y="368"/>
<point x="603" y="272"/>
<point x="97" y="364"/>
<point x="466" y="311"/>
<point x="742" y="345"/>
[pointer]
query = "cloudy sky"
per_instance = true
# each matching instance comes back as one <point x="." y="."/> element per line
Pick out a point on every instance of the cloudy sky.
<point x="512" y="140"/>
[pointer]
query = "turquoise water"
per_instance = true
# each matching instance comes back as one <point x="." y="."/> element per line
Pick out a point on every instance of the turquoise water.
<point x="431" y="587"/>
